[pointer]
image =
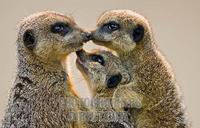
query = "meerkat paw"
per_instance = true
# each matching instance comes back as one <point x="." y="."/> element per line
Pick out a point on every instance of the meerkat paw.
<point x="124" y="98"/>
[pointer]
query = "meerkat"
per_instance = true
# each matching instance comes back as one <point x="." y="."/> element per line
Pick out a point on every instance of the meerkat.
<point x="104" y="72"/>
<point x="41" y="90"/>
<point x="130" y="35"/>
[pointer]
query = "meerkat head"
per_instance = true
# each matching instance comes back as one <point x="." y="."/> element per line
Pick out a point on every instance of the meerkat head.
<point x="122" y="30"/>
<point x="102" y="70"/>
<point x="50" y="35"/>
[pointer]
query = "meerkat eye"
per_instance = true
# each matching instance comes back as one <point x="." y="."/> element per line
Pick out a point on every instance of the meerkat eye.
<point x="60" y="28"/>
<point x="97" y="58"/>
<point x="138" y="33"/>
<point x="114" y="80"/>
<point x="111" y="26"/>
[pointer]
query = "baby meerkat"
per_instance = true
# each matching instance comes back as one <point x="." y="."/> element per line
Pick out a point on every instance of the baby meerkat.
<point x="130" y="35"/>
<point x="104" y="72"/>
<point x="38" y="98"/>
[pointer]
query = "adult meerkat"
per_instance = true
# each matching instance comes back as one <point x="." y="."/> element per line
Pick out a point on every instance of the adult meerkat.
<point x="130" y="35"/>
<point x="104" y="72"/>
<point x="39" y="96"/>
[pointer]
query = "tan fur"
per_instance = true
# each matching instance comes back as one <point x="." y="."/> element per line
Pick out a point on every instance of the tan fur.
<point x="41" y="91"/>
<point x="153" y="82"/>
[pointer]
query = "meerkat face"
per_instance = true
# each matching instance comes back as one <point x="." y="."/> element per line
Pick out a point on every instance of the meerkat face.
<point x="102" y="70"/>
<point x="51" y="35"/>
<point x="120" y="30"/>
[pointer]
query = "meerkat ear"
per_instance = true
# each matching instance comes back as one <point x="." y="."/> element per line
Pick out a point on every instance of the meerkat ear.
<point x="29" y="39"/>
<point x="138" y="33"/>
<point x="114" y="80"/>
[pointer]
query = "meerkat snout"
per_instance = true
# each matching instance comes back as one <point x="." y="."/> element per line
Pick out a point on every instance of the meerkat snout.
<point x="87" y="36"/>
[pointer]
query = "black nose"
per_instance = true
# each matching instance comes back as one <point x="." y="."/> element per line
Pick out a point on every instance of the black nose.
<point x="87" y="36"/>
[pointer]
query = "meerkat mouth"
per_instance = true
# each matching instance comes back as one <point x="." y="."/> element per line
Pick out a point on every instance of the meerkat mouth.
<point x="80" y="65"/>
<point x="80" y="61"/>
<point x="81" y="55"/>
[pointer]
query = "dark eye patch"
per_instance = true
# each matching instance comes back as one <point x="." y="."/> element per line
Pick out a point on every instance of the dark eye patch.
<point x="60" y="28"/>
<point x="110" y="27"/>
<point x="138" y="33"/>
<point x="97" y="58"/>
<point x="114" y="80"/>
<point x="29" y="39"/>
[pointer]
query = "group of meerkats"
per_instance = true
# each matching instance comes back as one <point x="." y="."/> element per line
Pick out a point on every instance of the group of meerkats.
<point x="138" y="81"/>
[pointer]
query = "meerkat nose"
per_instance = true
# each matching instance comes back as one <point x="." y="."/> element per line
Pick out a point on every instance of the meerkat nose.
<point x="87" y="36"/>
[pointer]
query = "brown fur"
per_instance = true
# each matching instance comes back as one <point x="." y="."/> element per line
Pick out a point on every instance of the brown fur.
<point x="39" y="96"/>
<point x="153" y="81"/>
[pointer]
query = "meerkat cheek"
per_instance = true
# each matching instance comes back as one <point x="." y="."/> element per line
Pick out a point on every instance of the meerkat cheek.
<point x="107" y="37"/>
<point x="42" y="51"/>
<point x="128" y="46"/>
<point x="129" y="42"/>
<point x="122" y="46"/>
<point x="68" y="37"/>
